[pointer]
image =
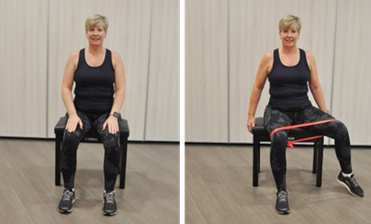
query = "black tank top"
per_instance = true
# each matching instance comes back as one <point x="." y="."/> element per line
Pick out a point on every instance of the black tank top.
<point x="94" y="85"/>
<point x="289" y="85"/>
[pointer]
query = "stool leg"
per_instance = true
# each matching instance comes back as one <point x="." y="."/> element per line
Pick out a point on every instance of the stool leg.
<point x="58" y="161"/>
<point x="258" y="153"/>
<point x="256" y="162"/>
<point x="315" y="157"/>
<point x="319" y="163"/>
<point x="124" y="149"/>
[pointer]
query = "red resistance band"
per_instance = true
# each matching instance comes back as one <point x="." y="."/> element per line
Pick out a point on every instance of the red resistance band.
<point x="290" y="143"/>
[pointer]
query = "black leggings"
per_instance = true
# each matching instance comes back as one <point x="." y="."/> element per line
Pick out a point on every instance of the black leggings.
<point x="111" y="145"/>
<point x="275" y="118"/>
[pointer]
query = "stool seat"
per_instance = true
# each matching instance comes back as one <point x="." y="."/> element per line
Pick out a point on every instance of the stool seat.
<point x="91" y="136"/>
<point x="260" y="134"/>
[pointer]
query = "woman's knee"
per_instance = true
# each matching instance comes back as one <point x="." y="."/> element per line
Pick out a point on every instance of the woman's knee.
<point x="72" y="138"/>
<point x="340" y="129"/>
<point x="279" y="138"/>
<point x="340" y="126"/>
<point x="111" y="141"/>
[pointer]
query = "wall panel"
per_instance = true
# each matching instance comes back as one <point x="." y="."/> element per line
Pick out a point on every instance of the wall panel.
<point x="206" y="71"/>
<point x="163" y="91"/>
<point x="352" y="78"/>
<point x="23" y="68"/>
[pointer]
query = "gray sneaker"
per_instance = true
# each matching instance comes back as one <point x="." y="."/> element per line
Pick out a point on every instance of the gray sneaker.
<point x="351" y="184"/>
<point x="68" y="198"/>
<point x="109" y="203"/>
<point x="282" y="203"/>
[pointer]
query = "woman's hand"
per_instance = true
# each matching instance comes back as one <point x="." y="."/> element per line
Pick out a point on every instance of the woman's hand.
<point x="250" y="123"/>
<point x="72" y="122"/>
<point x="112" y="124"/>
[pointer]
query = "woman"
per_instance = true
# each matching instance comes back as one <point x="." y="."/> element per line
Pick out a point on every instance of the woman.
<point x="288" y="70"/>
<point x="99" y="94"/>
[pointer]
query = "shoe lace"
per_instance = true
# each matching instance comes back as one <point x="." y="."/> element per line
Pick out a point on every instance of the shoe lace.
<point x="110" y="197"/>
<point x="67" y="195"/>
<point x="282" y="196"/>
<point x="354" y="181"/>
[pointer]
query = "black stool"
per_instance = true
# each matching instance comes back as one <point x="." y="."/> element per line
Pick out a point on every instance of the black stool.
<point x="260" y="134"/>
<point x="91" y="136"/>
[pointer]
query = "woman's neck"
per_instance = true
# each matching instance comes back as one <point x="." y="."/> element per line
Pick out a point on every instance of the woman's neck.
<point x="289" y="50"/>
<point x="96" y="49"/>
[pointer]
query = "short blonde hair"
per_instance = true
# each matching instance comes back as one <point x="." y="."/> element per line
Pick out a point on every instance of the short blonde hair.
<point x="289" y="21"/>
<point x="96" y="20"/>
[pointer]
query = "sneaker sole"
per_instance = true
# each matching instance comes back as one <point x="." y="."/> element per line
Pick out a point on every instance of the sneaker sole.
<point x="67" y="211"/>
<point x="350" y="191"/>
<point x="283" y="213"/>
<point x="109" y="214"/>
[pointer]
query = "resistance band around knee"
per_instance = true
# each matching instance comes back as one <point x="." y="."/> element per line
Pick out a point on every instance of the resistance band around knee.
<point x="290" y="143"/>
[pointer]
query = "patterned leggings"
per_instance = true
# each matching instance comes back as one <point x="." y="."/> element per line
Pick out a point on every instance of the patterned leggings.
<point x="111" y="145"/>
<point x="275" y="118"/>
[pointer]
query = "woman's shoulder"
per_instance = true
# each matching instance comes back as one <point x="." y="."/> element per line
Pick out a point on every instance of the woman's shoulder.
<point x="75" y="53"/>
<point x="269" y="54"/>
<point x="115" y="56"/>
<point x="114" y="53"/>
<point x="309" y="56"/>
<point x="268" y="57"/>
<point x="307" y="53"/>
<point x="74" y="57"/>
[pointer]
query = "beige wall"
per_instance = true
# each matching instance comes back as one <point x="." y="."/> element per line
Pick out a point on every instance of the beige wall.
<point x="206" y="68"/>
<point x="23" y="80"/>
<point x="226" y="39"/>
<point x="42" y="36"/>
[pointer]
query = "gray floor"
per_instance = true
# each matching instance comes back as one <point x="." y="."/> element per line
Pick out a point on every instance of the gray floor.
<point x="219" y="188"/>
<point x="28" y="194"/>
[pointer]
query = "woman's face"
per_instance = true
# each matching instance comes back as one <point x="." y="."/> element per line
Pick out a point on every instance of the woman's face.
<point x="96" y="35"/>
<point x="289" y="37"/>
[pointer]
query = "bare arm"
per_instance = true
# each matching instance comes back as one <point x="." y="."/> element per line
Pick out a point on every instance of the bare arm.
<point x="261" y="76"/>
<point x="314" y="84"/>
<point x="118" y="65"/>
<point x="67" y="84"/>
